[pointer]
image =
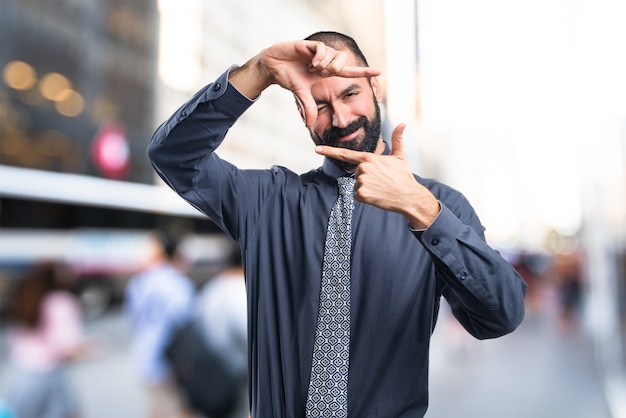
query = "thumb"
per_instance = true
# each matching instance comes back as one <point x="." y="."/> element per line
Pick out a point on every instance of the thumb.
<point x="397" y="146"/>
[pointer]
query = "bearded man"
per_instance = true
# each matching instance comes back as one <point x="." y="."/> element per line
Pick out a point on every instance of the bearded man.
<point x="345" y="265"/>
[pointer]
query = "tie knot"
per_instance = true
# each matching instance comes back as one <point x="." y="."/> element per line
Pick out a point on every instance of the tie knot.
<point x="345" y="185"/>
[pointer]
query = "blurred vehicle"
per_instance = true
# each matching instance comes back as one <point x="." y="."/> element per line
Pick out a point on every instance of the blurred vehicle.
<point x="99" y="228"/>
<point x="103" y="260"/>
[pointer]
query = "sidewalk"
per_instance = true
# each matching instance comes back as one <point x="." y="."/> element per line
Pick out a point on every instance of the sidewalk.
<point x="535" y="372"/>
<point x="532" y="373"/>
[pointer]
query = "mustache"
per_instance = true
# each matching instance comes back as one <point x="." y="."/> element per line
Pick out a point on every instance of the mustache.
<point x="332" y="135"/>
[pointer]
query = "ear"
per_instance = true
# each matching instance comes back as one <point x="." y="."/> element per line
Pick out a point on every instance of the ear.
<point x="376" y="89"/>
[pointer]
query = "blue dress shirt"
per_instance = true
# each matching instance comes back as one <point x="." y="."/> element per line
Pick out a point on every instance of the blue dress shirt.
<point x="398" y="276"/>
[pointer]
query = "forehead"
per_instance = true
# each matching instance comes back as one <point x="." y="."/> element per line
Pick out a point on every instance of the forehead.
<point x="329" y="87"/>
<point x="334" y="87"/>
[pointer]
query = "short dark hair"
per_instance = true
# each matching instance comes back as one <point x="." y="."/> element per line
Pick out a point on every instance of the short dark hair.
<point x="338" y="41"/>
<point x="169" y="242"/>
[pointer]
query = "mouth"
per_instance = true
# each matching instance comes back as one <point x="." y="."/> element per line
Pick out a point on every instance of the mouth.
<point x="343" y="136"/>
<point x="348" y="137"/>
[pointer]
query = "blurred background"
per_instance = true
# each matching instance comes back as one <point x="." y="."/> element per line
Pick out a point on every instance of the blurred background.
<point x="521" y="105"/>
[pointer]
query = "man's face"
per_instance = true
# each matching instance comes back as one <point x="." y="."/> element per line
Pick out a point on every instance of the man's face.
<point x="348" y="115"/>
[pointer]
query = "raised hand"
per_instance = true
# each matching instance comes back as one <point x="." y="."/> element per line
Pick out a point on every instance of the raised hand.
<point x="296" y="66"/>
<point x="386" y="181"/>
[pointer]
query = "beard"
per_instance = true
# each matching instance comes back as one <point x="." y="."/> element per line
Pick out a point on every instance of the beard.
<point x="365" y="143"/>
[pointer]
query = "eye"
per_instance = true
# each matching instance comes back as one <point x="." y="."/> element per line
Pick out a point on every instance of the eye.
<point x="322" y="108"/>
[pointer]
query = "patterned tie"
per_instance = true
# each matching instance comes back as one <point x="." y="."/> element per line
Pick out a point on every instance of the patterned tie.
<point x="328" y="387"/>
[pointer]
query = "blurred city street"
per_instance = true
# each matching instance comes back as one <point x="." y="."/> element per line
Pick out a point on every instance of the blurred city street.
<point x="528" y="125"/>
<point x="535" y="372"/>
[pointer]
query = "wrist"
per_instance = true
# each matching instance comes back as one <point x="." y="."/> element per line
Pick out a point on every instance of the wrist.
<point x="420" y="217"/>
<point x="250" y="79"/>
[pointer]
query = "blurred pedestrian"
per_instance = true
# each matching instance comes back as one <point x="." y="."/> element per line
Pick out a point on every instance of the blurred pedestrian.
<point x="345" y="264"/>
<point x="158" y="299"/>
<point x="569" y="281"/>
<point x="223" y="316"/>
<point x="45" y="334"/>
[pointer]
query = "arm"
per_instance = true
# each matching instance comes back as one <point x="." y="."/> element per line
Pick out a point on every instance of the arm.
<point x="386" y="181"/>
<point x="485" y="292"/>
<point x="182" y="149"/>
<point x="295" y="66"/>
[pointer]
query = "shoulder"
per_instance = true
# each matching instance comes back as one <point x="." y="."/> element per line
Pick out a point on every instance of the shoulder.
<point x="316" y="176"/>
<point x="445" y="193"/>
<point x="452" y="198"/>
<point x="281" y="175"/>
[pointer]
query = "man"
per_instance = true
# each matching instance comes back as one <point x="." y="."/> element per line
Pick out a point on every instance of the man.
<point x="223" y="315"/>
<point x="412" y="240"/>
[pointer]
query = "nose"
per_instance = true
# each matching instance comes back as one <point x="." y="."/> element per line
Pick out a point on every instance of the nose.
<point x="341" y="117"/>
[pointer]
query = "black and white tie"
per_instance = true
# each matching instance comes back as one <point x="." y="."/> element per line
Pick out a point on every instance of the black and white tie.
<point x="328" y="386"/>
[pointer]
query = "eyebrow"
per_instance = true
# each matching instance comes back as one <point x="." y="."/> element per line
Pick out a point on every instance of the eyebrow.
<point x="351" y="87"/>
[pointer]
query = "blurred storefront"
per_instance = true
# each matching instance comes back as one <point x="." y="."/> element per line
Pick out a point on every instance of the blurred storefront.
<point x="78" y="85"/>
<point x="77" y="109"/>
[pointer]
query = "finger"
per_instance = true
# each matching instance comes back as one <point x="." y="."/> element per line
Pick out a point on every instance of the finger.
<point x="335" y="64"/>
<point x="397" y="145"/>
<point x="356" y="72"/>
<point x="329" y="59"/>
<point x="319" y="49"/>
<point x="343" y="154"/>
<point x="326" y="58"/>
<point x="322" y="59"/>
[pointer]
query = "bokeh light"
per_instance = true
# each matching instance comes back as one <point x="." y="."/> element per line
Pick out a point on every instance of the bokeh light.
<point x="19" y="75"/>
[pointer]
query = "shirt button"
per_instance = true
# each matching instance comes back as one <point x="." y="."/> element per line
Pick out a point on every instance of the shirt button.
<point x="463" y="275"/>
<point x="435" y="241"/>
<point x="217" y="86"/>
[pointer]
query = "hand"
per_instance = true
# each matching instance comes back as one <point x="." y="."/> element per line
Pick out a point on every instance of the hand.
<point x="386" y="181"/>
<point x="296" y="66"/>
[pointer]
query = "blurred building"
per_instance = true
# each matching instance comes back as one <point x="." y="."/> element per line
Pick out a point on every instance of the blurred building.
<point x="77" y="109"/>
<point x="83" y="86"/>
<point x="77" y="92"/>
<point x="202" y="40"/>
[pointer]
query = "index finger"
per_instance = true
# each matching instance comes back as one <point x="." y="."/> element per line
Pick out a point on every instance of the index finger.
<point x="343" y="154"/>
<point x="325" y="54"/>
<point x="356" y="72"/>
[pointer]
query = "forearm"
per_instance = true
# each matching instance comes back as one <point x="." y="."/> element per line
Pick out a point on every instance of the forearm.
<point x="194" y="131"/>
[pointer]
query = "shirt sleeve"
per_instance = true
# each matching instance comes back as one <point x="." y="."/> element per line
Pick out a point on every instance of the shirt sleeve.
<point x="485" y="292"/>
<point x="182" y="152"/>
